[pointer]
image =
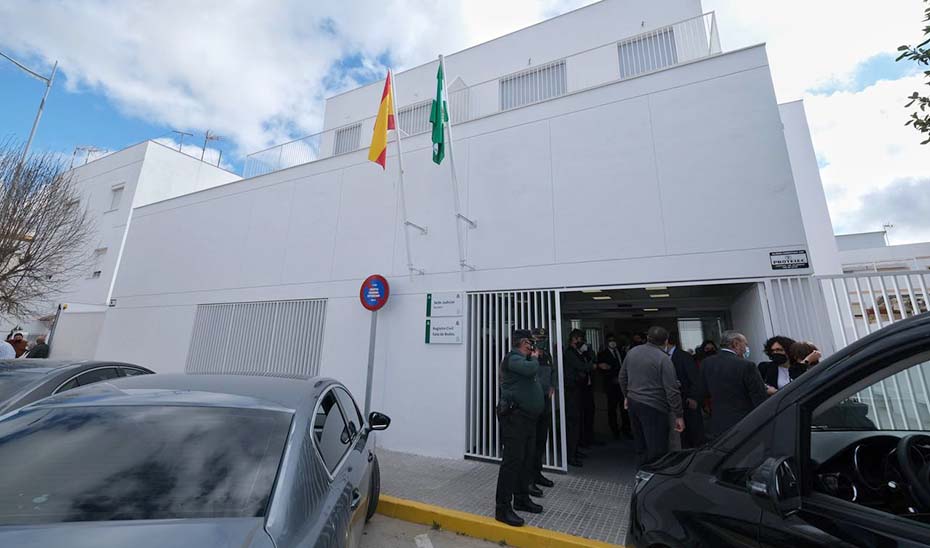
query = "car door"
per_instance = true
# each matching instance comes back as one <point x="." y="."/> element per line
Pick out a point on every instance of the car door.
<point x="333" y="440"/>
<point x="358" y="469"/>
<point x="882" y="392"/>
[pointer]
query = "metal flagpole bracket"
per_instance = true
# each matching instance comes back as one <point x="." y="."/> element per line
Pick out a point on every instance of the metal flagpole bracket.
<point x="469" y="222"/>
<point x="423" y="230"/>
<point x="466" y="266"/>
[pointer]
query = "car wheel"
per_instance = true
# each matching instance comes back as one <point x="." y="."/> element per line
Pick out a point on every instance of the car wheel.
<point x="375" y="489"/>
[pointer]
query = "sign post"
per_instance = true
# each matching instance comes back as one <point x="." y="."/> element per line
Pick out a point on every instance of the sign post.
<point x="373" y="295"/>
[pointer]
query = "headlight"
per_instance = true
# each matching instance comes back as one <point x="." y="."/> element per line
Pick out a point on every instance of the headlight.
<point x="642" y="478"/>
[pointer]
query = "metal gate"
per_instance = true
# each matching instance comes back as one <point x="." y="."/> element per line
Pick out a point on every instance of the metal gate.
<point x="274" y="338"/>
<point x="492" y="318"/>
<point x="797" y="309"/>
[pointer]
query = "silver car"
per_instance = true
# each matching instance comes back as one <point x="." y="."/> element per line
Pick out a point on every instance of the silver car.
<point x="189" y="460"/>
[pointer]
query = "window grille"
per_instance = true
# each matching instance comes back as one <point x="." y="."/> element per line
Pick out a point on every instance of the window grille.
<point x="533" y="85"/>
<point x="347" y="139"/>
<point x="648" y="53"/>
<point x="414" y="119"/>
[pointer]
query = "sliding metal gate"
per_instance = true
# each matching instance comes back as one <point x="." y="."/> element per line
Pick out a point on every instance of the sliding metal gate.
<point x="274" y="338"/>
<point x="492" y="318"/>
<point x="797" y="308"/>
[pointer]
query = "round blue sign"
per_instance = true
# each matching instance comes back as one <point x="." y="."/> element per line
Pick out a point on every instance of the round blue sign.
<point x="374" y="293"/>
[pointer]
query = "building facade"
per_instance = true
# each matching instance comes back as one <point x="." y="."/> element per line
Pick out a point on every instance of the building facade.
<point x="620" y="170"/>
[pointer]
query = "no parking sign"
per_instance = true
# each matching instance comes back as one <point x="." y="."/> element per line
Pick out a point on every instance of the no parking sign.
<point x="374" y="292"/>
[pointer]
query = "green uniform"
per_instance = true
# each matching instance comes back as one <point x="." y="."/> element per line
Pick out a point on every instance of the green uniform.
<point x="520" y="384"/>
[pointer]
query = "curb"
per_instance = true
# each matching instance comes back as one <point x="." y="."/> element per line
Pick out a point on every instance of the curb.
<point x="481" y="527"/>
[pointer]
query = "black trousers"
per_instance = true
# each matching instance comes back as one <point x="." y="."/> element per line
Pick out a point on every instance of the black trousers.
<point x="587" y="414"/>
<point x="693" y="436"/>
<point x="542" y="435"/>
<point x="572" y="421"/>
<point x="518" y="434"/>
<point x="615" y="401"/>
<point x="650" y="431"/>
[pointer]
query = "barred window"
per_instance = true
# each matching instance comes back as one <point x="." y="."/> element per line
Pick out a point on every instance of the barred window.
<point x="347" y="139"/>
<point x="414" y="119"/>
<point x="648" y="53"/>
<point x="533" y="85"/>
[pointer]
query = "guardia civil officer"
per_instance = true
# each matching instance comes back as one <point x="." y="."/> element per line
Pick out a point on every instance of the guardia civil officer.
<point x="548" y="379"/>
<point x="520" y="404"/>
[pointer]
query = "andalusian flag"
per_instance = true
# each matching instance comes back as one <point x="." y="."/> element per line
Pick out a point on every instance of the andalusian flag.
<point x="439" y="117"/>
<point x="385" y="122"/>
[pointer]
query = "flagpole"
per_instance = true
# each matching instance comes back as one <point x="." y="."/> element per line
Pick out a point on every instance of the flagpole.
<point x="403" y="192"/>
<point x="459" y="217"/>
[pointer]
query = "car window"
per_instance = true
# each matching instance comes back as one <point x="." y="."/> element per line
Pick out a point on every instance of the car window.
<point x="895" y="399"/>
<point x="192" y="462"/>
<point x="132" y="371"/>
<point x="331" y="432"/>
<point x="353" y="416"/>
<point x="73" y="383"/>
<point x="97" y="375"/>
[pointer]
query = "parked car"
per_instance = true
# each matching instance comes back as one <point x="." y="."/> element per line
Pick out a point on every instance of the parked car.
<point x="190" y="461"/>
<point x="27" y="380"/>
<point x="839" y="457"/>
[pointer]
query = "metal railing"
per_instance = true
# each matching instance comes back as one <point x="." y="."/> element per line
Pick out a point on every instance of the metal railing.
<point x="646" y="53"/>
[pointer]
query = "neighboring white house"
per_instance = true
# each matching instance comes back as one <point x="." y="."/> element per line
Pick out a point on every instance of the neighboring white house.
<point x="111" y="187"/>
<point x="622" y="171"/>
<point x="871" y="252"/>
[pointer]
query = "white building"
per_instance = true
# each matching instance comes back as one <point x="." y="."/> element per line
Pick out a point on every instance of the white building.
<point x="622" y="172"/>
<point x="871" y="252"/>
<point x="110" y="188"/>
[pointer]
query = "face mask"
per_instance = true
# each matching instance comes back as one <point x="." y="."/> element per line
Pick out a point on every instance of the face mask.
<point x="779" y="359"/>
<point x="612" y="345"/>
<point x="584" y="347"/>
<point x="746" y="354"/>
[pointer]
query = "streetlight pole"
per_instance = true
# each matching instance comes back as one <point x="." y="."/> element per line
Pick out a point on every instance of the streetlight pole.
<point x="48" y="87"/>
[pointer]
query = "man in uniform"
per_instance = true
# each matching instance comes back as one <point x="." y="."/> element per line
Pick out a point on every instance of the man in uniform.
<point x="548" y="379"/>
<point x="521" y="402"/>
<point x="575" y="370"/>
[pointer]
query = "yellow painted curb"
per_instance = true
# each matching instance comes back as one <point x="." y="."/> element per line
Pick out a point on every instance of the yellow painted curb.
<point x="480" y="526"/>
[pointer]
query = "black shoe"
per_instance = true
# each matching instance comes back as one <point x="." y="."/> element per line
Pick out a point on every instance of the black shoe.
<point x="527" y="505"/>
<point x="544" y="481"/>
<point x="505" y="514"/>
<point x="535" y="492"/>
<point x="575" y="462"/>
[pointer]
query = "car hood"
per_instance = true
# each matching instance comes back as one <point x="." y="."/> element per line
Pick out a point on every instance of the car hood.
<point x="185" y="533"/>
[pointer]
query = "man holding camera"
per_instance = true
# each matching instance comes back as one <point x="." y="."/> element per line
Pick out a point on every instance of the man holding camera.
<point x="521" y="402"/>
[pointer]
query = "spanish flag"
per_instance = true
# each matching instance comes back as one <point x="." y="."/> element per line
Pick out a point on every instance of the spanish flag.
<point x="383" y="124"/>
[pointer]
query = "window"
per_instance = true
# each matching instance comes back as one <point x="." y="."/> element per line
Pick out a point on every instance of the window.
<point x="534" y="85"/>
<point x="132" y="372"/>
<point x="347" y="139"/>
<point x="116" y="196"/>
<point x="414" y="119"/>
<point x="97" y="375"/>
<point x="351" y="411"/>
<point x="97" y="476"/>
<point x="648" y="53"/>
<point x="331" y="432"/>
<point x="895" y="399"/>
<point x="73" y="383"/>
<point x="96" y="262"/>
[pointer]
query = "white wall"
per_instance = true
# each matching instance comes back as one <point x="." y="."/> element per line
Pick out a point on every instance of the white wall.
<point x="576" y="31"/>
<point x="167" y="173"/>
<point x="76" y="335"/>
<point x="748" y="314"/>
<point x="814" y="211"/>
<point x="906" y="256"/>
<point x="862" y="240"/>
<point x="677" y="176"/>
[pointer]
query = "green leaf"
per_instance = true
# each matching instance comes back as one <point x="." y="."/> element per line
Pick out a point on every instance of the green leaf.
<point x="903" y="48"/>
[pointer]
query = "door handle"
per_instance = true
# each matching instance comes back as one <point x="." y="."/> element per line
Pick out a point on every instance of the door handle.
<point x="356" y="499"/>
<point x="371" y="456"/>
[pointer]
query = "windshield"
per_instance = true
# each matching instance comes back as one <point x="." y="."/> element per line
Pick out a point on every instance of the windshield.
<point x="12" y="381"/>
<point x="128" y="463"/>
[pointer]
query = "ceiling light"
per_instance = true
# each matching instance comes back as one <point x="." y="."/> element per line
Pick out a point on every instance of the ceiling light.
<point x="591" y="291"/>
<point x="650" y="310"/>
<point x="659" y="295"/>
<point x="656" y="288"/>
<point x="602" y="298"/>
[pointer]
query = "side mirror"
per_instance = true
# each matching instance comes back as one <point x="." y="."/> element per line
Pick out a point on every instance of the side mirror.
<point x="775" y="486"/>
<point x="378" y="421"/>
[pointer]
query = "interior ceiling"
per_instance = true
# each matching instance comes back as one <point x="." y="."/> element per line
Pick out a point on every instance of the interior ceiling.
<point x="632" y="303"/>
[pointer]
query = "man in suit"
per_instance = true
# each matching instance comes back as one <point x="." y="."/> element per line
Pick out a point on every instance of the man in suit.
<point x="690" y="384"/>
<point x="609" y="362"/>
<point x="732" y="382"/>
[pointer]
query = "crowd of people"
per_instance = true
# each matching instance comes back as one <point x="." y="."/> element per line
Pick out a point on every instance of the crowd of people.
<point x="17" y="345"/>
<point x="661" y="396"/>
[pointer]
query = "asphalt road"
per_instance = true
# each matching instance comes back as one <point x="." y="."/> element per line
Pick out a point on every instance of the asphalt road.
<point x="382" y="532"/>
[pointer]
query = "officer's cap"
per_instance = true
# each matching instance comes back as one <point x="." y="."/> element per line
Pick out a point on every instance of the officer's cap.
<point x="540" y="333"/>
<point x="520" y="334"/>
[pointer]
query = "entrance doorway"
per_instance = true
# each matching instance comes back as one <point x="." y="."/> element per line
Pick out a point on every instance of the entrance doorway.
<point x="694" y="312"/>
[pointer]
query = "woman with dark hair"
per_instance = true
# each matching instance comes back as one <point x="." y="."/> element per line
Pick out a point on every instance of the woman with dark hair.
<point x="778" y="372"/>
<point x="803" y="355"/>
<point x="707" y="348"/>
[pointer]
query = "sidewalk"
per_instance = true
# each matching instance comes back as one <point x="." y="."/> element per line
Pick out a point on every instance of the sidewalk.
<point x="595" y="508"/>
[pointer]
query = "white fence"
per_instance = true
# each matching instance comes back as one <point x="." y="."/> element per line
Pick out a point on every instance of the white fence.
<point x="651" y="51"/>
<point x="492" y="318"/>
